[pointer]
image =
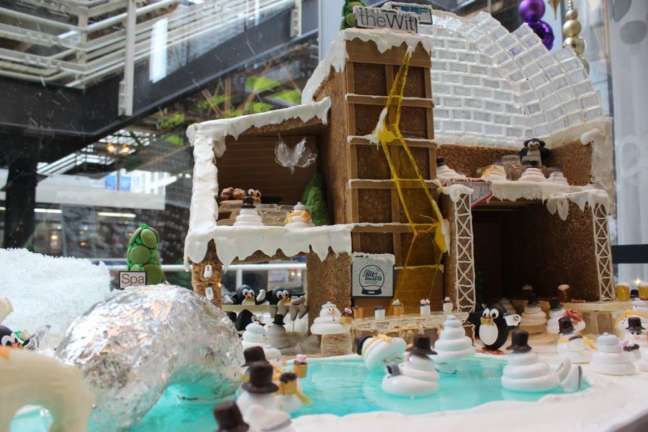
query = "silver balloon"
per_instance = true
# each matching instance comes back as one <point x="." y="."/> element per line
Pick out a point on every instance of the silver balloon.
<point x="133" y="345"/>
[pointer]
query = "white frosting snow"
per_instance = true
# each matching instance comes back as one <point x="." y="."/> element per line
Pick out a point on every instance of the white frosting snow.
<point x="208" y="139"/>
<point x="453" y="342"/>
<point x="242" y="242"/>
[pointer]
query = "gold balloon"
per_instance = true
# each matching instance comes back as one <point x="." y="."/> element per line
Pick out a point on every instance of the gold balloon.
<point x="572" y="28"/>
<point x="577" y="44"/>
<point x="571" y="14"/>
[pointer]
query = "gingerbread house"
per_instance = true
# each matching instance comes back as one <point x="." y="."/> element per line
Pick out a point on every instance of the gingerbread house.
<point x="484" y="90"/>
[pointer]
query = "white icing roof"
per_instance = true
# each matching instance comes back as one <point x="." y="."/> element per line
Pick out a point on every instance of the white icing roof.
<point x="208" y="138"/>
<point x="490" y="86"/>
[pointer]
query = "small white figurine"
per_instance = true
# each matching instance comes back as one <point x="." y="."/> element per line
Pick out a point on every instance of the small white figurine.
<point x="609" y="359"/>
<point x="634" y="338"/>
<point x="30" y="378"/>
<point x="571" y="345"/>
<point x="448" y="307"/>
<point x="329" y="321"/>
<point x="417" y="375"/>
<point x="425" y="307"/>
<point x="453" y="343"/>
<point x="524" y="372"/>
<point x="534" y="319"/>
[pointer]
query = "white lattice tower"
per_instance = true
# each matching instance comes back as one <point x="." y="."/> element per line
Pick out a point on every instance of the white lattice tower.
<point x="464" y="251"/>
<point x="603" y="252"/>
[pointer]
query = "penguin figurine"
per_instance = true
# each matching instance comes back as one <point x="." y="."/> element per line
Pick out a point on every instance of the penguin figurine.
<point x="279" y="300"/>
<point x="247" y="296"/>
<point x="493" y="326"/>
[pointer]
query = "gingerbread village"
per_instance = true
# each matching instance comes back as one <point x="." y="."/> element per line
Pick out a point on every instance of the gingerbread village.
<point x="445" y="184"/>
<point x="500" y="175"/>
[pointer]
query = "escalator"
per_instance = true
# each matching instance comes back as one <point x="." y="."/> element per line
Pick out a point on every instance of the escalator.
<point x="65" y="79"/>
<point x="62" y="74"/>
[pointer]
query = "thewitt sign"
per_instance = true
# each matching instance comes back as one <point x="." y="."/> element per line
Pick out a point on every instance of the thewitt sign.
<point x="424" y="12"/>
<point x="131" y="278"/>
<point x="368" y="17"/>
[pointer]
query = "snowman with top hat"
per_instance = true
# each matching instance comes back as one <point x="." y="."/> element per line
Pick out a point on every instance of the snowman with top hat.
<point x="571" y="344"/>
<point x="259" y="389"/>
<point x="417" y="375"/>
<point x="635" y="338"/>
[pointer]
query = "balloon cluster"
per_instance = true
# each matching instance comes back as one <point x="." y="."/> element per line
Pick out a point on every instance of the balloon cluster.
<point x="531" y="12"/>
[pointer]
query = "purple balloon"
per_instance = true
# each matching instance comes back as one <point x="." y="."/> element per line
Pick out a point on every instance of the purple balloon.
<point x="544" y="32"/>
<point x="531" y="10"/>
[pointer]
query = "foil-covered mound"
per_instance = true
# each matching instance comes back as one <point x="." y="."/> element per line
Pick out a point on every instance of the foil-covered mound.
<point x="133" y="345"/>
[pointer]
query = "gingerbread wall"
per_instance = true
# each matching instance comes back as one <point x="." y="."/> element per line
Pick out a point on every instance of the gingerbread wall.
<point x="573" y="158"/>
<point x="528" y="245"/>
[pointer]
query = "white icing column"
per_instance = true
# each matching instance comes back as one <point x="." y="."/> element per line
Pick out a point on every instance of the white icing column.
<point x="462" y="248"/>
<point x="629" y="52"/>
<point x="602" y="251"/>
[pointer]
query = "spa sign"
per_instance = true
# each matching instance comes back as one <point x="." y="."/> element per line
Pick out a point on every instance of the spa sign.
<point x="373" y="275"/>
<point x="131" y="278"/>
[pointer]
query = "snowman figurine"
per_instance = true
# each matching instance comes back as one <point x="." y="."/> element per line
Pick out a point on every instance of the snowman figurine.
<point x="571" y="344"/>
<point x="259" y="389"/>
<point x="634" y="338"/>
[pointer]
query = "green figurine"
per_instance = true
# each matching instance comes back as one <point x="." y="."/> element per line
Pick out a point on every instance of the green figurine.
<point x="143" y="254"/>
<point x="348" y="20"/>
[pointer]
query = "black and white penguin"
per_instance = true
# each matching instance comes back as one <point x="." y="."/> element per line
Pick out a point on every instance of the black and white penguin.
<point x="7" y="337"/>
<point x="245" y="295"/>
<point x="493" y="327"/>
<point x="279" y="300"/>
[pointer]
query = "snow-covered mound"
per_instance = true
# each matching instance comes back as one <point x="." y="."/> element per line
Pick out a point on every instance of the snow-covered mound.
<point x="47" y="290"/>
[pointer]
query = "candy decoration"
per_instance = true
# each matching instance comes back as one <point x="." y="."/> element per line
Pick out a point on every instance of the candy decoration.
<point x="531" y="12"/>
<point x="143" y="255"/>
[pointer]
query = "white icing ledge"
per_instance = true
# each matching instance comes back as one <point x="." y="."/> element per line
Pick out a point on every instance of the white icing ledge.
<point x="208" y="139"/>
<point x="241" y="242"/>
<point x="218" y="130"/>
<point x="455" y="191"/>
<point x="384" y="39"/>
<point x="560" y="203"/>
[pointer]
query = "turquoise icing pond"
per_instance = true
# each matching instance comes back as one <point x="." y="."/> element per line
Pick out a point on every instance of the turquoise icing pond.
<point x="476" y="381"/>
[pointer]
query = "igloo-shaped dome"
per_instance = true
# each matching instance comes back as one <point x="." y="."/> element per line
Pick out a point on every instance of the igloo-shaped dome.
<point x="503" y="87"/>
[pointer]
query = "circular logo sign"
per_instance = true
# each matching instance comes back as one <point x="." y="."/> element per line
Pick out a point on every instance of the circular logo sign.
<point x="372" y="279"/>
